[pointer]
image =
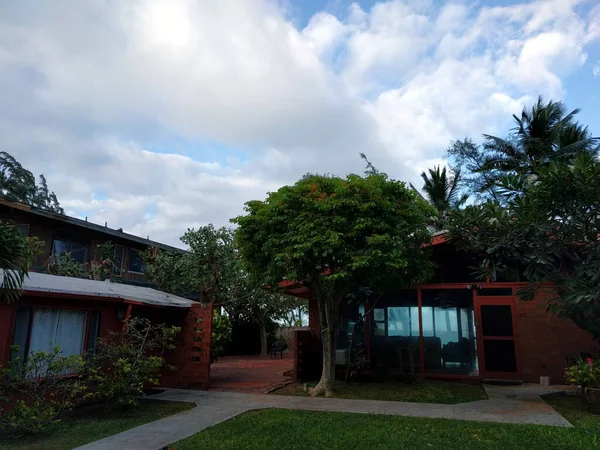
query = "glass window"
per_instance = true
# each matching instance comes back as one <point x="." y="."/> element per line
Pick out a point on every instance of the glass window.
<point x="496" y="320"/>
<point x="136" y="263"/>
<point x="77" y="246"/>
<point x="449" y="332"/>
<point x="93" y="331"/>
<point x="57" y="327"/>
<point x="21" y="332"/>
<point x="500" y="356"/>
<point x="118" y="259"/>
<point x="23" y="229"/>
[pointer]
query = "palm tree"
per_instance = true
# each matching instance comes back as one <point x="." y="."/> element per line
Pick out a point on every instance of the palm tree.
<point x="542" y="134"/>
<point x="14" y="262"/>
<point x="442" y="189"/>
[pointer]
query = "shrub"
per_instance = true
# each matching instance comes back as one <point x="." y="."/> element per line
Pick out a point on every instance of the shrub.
<point x="123" y="363"/>
<point x="584" y="372"/>
<point x="221" y="334"/>
<point x="38" y="390"/>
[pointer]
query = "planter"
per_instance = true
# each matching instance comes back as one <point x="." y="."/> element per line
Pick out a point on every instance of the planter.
<point x="592" y="396"/>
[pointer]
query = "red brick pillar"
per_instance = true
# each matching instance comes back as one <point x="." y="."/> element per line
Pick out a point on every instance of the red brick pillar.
<point x="193" y="354"/>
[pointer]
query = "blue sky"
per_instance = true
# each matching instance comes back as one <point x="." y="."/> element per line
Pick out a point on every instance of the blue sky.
<point x="160" y="115"/>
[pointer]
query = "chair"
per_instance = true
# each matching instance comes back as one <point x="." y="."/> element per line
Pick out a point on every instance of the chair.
<point x="278" y="346"/>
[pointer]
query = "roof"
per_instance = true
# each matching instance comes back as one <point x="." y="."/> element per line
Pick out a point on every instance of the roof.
<point x="41" y="283"/>
<point x="89" y="225"/>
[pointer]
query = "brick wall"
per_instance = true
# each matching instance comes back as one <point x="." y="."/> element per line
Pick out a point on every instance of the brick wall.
<point x="192" y="353"/>
<point x="545" y="340"/>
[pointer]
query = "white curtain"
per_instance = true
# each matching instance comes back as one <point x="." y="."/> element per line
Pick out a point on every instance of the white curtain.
<point x="61" y="327"/>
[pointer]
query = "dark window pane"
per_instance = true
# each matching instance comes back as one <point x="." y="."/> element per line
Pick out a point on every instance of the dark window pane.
<point x="93" y="331"/>
<point x="136" y="263"/>
<point x="498" y="292"/>
<point x="500" y="356"/>
<point x="78" y="252"/>
<point x="23" y="229"/>
<point x="496" y="320"/>
<point x="118" y="260"/>
<point x="60" y="247"/>
<point x="21" y="332"/>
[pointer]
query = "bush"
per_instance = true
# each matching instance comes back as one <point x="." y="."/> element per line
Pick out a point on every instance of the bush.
<point x="584" y="372"/>
<point x="221" y="334"/>
<point x="124" y="363"/>
<point x="36" y="391"/>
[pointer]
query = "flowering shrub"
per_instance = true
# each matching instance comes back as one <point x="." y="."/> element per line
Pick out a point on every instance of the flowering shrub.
<point x="39" y="390"/>
<point x="585" y="373"/>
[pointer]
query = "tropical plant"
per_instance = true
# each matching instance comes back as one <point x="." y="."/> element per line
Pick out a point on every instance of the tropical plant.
<point x="64" y="265"/>
<point x="35" y="392"/>
<point x="335" y="235"/>
<point x="15" y="257"/>
<point x="18" y="184"/>
<point x="549" y="226"/>
<point x="221" y="334"/>
<point x="123" y="363"/>
<point x="542" y="134"/>
<point x="584" y="372"/>
<point x="443" y="190"/>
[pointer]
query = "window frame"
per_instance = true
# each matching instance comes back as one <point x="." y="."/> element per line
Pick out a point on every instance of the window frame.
<point x="118" y="271"/>
<point x="131" y="249"/>
<point x="70" y="240"/>
<point x="19" y="226"/>
<point x="31" y="308"/>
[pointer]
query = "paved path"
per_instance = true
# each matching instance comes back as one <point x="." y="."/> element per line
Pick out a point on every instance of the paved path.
<point x="506" y="405"/>
<point x="252" y="374"/>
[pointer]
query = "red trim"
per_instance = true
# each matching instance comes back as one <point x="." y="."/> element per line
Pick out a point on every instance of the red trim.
<point x="9" y="342"/>
<point x="87" y="330"/>
<point x="88" y="298"/>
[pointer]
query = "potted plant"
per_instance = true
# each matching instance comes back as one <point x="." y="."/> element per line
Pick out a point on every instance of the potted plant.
<point x="585" y="373"/>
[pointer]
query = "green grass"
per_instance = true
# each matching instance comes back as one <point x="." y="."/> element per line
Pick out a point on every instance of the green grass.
<point x="427" y="391"/>
<point x="89" y="424"/>
<point x="285" y="429"/>
<point x="574" y="409"/>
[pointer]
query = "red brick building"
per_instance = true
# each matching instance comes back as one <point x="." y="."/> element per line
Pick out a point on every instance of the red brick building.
<point x="74" y="312"/>
<point x="453" y="327"/>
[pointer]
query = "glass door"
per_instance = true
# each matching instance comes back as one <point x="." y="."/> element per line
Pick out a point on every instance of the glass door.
<point x="496" y="332"/>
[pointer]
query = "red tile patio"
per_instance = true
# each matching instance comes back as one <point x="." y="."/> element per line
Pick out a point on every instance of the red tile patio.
<point x="250" y="373"/>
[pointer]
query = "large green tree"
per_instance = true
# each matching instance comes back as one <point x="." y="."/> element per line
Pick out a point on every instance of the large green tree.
<point x="336" y="235"/>
<point x="18" y="184"/>
<point x="212" y="266"/>
<point x="550" y="226"/>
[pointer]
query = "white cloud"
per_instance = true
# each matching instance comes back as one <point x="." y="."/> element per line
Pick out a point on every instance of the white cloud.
<point x="596" y="70"/>
<point x="89" y="88"/>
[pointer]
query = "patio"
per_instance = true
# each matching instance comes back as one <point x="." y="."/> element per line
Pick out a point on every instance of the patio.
<point x="252" y="374"/>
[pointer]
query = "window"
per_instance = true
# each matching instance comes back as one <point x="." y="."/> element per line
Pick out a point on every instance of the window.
<point x="118" y="260"/>
<point x="77" y="246"/>
<point x="41" y="329"/>
<point x="136" y="263"/>
<point x="23" y="229"/>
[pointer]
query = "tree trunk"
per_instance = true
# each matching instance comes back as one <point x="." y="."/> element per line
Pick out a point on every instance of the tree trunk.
<point x="263" y="338"/>
<point x="329" y="318"/>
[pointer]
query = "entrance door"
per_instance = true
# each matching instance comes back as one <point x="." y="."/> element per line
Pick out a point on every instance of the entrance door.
<point x="496" y="334"/>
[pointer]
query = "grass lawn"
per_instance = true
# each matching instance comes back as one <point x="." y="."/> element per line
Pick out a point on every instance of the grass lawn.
<point x="427" y="391"/>
<point x="285" y="429"/>
<point x="574" y="410"/>
<point x="89" y="424"/>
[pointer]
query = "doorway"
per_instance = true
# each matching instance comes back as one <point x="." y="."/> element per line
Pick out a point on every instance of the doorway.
<point x="496" y="330"/>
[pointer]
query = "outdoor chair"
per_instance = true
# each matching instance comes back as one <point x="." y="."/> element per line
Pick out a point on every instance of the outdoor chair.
<point x="278" y="346"/>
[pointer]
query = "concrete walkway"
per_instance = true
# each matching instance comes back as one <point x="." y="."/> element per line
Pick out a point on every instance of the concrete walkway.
<point x="520" y="404"/>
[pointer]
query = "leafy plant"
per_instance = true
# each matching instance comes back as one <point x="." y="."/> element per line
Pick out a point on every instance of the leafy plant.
<point x="221" y="334"/>
<point x="123" y="363"/>
<point x="64" y="265"/>
<point x="358" y="363"/>
<point x="38" y="390"/>
<point x="105" y="267"/>
<point x="14" y="262"/>
<point x="585" y="373"/>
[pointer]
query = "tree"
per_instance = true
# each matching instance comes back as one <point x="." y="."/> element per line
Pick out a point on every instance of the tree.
<point x="17" y="184"/>
<point x="443" y="190"/>
<point x="542" y="134"/>
<point x="550" y="226"/>
<point x="336" y="235"/>
<point x="14" y="261"/>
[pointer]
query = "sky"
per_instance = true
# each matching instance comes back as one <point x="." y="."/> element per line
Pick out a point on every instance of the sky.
<point x="161" y="115"/>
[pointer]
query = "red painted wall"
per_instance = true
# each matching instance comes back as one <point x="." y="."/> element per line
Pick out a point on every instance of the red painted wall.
<point x="545" y="340"/>
<point x="7" y="314"/>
